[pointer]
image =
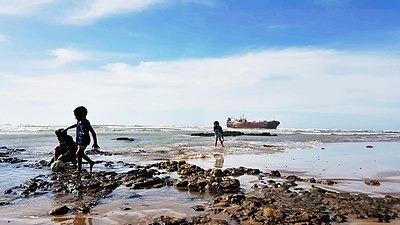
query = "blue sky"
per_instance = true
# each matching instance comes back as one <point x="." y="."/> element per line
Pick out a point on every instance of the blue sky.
<point x="310" y="64"/>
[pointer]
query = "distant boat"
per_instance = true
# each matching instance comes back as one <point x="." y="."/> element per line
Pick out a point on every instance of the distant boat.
<point x="243" y="123"/>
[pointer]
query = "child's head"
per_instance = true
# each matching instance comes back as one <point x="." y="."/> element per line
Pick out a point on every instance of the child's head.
<point x="216" y="123"/>
<point x="61" y="134"/>
<point x="80" y="112"/>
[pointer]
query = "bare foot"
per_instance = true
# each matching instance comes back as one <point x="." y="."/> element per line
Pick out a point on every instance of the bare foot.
<point x="91" y="166"/>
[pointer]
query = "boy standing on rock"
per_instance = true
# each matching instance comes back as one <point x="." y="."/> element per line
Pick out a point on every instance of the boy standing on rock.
<point x="83" y="127"/>
<point x="219" y="134"/>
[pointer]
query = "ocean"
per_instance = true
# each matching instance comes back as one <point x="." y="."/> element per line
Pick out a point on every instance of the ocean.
<point x="347" y="156"/>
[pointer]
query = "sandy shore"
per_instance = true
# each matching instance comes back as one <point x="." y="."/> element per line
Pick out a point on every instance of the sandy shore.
<point x="348" y="164"/>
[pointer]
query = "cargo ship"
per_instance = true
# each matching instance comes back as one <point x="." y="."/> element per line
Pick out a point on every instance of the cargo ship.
<point x="243" y="123"/>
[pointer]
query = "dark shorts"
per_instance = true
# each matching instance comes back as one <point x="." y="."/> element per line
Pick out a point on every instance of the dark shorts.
<point x="218" y="135"/>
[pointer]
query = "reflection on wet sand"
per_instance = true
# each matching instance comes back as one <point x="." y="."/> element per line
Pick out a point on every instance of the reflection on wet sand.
<point x="219" y="160"/>
<point x="78" y="219"/>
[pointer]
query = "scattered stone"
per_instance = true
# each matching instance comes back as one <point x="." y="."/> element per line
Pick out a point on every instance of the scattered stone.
<point x="199" y="208"/>
<point x="4" y="202"/>
<point x="328" y="182"/>
<point x="276" y="203"/>
<point x="275" y="173"/>
<point x="59" y="210"/>
<point x="310" y="180"/>
<point x="369" y="146"/>
<point x="124" y="139"/>
<point x="11" y="160"/>
<point x="338" y="218"/>
<point x="372" y="182"/>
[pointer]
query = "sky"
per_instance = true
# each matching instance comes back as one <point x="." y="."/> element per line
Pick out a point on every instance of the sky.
<point x="328" y="64"/>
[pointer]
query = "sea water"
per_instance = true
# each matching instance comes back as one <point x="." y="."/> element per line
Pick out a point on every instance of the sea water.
<point x="341" y="154"/>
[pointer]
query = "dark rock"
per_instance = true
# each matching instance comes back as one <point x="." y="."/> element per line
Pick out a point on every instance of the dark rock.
<point x="199" y="208"/>
<point x="372" y="182"/>
<point x="11" y="160"/>
<point x="124" y="139"/>
<point x="190" y="169"/>
<point x="3" y="202"/>
<point x="310" y="180"/>
<point x="275" y="173"/>
<point x="217" y="173"/>
<point x="277" y="203"/>
<point x="59" y="210"/>
<point x="163" y="220"/>
<point x="293" y="178"/>
<point x="328" y="182"/>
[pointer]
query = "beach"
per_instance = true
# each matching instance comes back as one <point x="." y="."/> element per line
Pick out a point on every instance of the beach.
<point x="346" y="158"/>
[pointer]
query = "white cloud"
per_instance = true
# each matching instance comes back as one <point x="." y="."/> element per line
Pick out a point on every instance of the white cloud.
<point x="102" y="8"/>
<point x="20" y="7"/>
<point x="289" y="80"/>
<point x="67" y="55"/>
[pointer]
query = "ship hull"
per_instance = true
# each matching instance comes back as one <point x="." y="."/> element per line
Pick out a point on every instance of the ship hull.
<point x="273" y="124"/>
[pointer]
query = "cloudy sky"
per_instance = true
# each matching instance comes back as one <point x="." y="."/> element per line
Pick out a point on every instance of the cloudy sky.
<point x="310" y="64"/>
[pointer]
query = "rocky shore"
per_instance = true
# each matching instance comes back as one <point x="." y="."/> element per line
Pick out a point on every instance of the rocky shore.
<point x="275" y="199"/>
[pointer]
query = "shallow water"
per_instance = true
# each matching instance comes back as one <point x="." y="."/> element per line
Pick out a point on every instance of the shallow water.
<point x="340" y="155"/>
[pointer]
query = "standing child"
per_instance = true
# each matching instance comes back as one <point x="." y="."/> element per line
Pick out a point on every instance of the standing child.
<point x="83" y="127"/>
<point x="219" y="134"/>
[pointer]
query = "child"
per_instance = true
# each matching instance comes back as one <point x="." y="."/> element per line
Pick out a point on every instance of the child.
<point x="83" y="127"/>
<point x="219" y="134"/>
<point x="66" y="150"/>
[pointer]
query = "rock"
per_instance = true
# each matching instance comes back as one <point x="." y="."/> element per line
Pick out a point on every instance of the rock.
<point x="274" y="213"/>
<point x="11" y="160"/>
<point x="372" y="182"/>
<point x="275" y="173"/>
<point x="315" y="189"/>
<point x="124" y="139"/>
<point x="169" y="220"/>
<point x="310" y="180"/>
<point x="328" y="182"/>
<point x="369" y="146"/>
<point x="57" y="166"/>
<point x="190" y="169"/>
<point x="217" y="173"/>
<point x="293" y="178"/>
<point x="338" y="218"/>
<point x="4" y="202"/>
<point x="199" y="208"/>
<point x="59" y="210"/>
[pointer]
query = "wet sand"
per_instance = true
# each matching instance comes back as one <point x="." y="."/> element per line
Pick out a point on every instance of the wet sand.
<point x="349" y="164"/>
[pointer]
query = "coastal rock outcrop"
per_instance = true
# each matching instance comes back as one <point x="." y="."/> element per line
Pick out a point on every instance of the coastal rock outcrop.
<point x="275" y="199"/>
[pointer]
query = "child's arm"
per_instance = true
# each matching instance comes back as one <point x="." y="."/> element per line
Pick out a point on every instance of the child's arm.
<point x="95" y="145"/>
<point x="72" y="126"/>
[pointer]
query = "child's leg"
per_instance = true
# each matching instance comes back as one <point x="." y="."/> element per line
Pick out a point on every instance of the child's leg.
<point x="91" y="162"/>
<point x="79" y="155"/>
<point x="57" y="153"/>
